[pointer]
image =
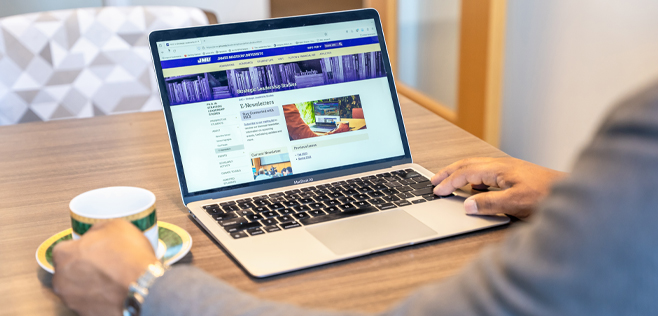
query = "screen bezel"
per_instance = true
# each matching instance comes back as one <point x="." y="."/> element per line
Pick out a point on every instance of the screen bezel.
<point x="264" y="25"/>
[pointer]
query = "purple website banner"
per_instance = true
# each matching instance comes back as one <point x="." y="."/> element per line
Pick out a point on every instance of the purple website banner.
<point x="271" y="78"/>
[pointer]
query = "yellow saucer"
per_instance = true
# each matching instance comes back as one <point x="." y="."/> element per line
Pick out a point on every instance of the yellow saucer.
<point x="173" y="244"/>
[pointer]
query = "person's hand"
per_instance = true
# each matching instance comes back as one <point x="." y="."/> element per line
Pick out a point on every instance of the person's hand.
<point x="522" y="184"/>
<point x="342" y="127"/>
<point x="93" y="274"/>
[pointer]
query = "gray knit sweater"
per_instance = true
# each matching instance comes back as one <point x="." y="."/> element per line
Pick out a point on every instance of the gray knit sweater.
<point x="591" y="248"/>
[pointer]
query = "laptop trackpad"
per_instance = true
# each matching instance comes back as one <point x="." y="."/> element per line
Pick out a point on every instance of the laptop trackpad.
<point x="372" y="232"/>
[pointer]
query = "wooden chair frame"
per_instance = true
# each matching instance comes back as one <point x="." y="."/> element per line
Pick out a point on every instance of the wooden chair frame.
<point x="481" y="44"/>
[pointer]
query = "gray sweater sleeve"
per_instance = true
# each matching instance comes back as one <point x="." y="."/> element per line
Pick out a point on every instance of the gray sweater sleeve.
<point x="591" y="249"/>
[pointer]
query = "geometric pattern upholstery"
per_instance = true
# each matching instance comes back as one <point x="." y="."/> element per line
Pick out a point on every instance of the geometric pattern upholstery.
<point x="82" y="62"/>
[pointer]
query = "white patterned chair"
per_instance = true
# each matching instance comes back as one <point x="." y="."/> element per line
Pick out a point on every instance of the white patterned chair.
<point x="83" y="62"/>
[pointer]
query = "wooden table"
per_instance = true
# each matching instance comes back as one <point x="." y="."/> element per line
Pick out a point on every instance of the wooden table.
<point x="44" y="165"/>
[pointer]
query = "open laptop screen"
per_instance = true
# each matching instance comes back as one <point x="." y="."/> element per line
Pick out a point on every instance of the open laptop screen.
<point x="244" y="106"/>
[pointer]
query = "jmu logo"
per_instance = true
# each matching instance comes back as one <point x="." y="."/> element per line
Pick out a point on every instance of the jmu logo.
<point x="204" y="60"/>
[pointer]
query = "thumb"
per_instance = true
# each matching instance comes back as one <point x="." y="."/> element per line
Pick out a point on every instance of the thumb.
<point x="489" y="203"/>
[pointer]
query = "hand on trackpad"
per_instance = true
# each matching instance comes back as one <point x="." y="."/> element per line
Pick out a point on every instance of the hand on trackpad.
<point x="372" y="232"/>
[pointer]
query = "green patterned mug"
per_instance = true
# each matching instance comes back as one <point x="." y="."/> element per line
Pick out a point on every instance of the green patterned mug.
<point x="135" y="205"/>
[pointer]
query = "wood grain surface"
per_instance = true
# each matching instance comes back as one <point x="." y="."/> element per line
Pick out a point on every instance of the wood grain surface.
<point x="44" y="165"/>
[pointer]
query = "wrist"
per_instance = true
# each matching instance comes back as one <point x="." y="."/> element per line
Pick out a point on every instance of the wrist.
<point x="139" y="290"/>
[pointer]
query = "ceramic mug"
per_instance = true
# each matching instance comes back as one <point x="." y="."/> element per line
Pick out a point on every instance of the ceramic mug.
<point x="135" y="205"/>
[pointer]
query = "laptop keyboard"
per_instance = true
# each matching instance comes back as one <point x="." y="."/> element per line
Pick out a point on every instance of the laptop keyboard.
<point x="317" y="204"/>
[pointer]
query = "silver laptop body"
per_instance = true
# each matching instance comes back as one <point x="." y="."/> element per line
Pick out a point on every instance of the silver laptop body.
<point x="279" y="197"/>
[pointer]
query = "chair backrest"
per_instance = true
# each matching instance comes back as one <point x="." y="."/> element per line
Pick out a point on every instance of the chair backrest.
<point x="357" y="113"/>
<point x="83" y="62"/>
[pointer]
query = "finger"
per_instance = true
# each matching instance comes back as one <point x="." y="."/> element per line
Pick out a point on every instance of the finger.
<point x="450" y="169"/>
<point x="492" y="203"/>
<point x="478" y="174"/>
<point x="63" y="251"/>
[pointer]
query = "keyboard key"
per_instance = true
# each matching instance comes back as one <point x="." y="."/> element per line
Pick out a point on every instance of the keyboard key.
<point x="405" y="195"/>
<point x="423" y="191"/>
<point x="306" y="201"/>
<point x="361" y="204"/>
<point x="211" y="206"/>
<point x="255" y="217"/>
<point x="408" y="181"/>
<point x="227" y="203"/>
<point x="377" y="201"/>
<point x="269" y="214"/>
<point x="246" y="205"/>
<point x="224" y="216"/>
<point x="402" y="203"/>
<point x="347" y="207"/>
<point x="394" y="184"/>
<point x="376" y="194"/>
<point x="316" y="205"/>
<point x="386" y="206"/>
<point x="431" y="197"/>
<point x="350" y="192"/>
<point x="338" y="215"/>
<point x="291" y="203"/>
<point x="255" y="231"/>
<point x="276" y="195"/>
<point x="405" y="188"/>
<point x="378" y="187"/>
<point x="277" y="206"/>
<point x="292" y="192"/>
<point x="260" y="209"/>
<point x="278" y="199"/>
<point x="346" y="199"/>
<point x="421" y="185"/>
<point x="335" y="195"/>
<point x="272" y="228"/>
<point x="216" y="210"/>
<point x="333" y="203"/>
<point x="418" y="201"/>
<point x="230" y="208"/>
<point x="300" y="215"/>
<point x="261" y="203"/>
<point x="391" y="198"/>
<point x="286" y="211"/>
<point x="269" y="222"/>
<point x="239" y="227"/>
<point x="322" y="198"/>
<point x="238" y="235"/>
<point x="262" y="197"/>
<point x="246" y="212"/>
<point x="331" y="209"/>
<point x="389" y="191"/>
<point x="315" y="213"/>
<point x="411" y="174"/>
<point x="302" y="208"/>
<point x="289" y="225"/>
<point x="361" y="197"/>
<point x="233" y="221"/>
<point x="284" y="218"/>
<point x="365" y="189"/>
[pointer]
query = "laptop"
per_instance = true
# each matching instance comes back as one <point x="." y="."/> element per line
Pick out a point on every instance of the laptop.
<point x="238" y="100"/>
<point x="327" y="116"/>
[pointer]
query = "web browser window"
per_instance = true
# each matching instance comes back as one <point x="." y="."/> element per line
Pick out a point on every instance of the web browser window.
<point x="264" y="105"/>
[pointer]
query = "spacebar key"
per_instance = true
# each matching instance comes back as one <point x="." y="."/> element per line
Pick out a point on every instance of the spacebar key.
<point x="334" y="216"/>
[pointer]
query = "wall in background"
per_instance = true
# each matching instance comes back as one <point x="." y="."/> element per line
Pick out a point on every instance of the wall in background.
<point x="566" y="63"/>
<point x="13" y="7"/>
<point x="226" y="10"/>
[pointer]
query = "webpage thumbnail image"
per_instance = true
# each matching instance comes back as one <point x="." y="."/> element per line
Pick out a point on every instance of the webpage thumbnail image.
<point x="271" y="78"/>
<point x="324" y="117"/>
<point x="272" y="166"/>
